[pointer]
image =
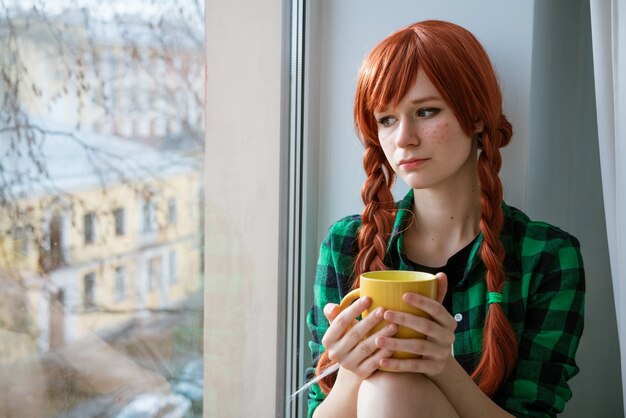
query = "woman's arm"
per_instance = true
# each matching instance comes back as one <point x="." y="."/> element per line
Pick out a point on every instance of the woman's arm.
<point x="349" y="345"/>
<point x="341" y="401"/>
<point x="464" y="395"/>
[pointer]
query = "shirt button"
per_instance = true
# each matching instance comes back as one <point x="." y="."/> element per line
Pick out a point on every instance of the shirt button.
<point x="458" y="317"/>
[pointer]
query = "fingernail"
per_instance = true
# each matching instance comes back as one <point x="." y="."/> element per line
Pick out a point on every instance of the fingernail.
<point x="379" y="312"/>
<point x="327" y="309"/>
<point x="391" y="328"/>
<point x="365" y="300"/>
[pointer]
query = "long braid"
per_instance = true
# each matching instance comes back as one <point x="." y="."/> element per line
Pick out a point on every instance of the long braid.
<point x="377" y="222"/>
<point x="378" y="214"/>
<point x="499" y="354"/>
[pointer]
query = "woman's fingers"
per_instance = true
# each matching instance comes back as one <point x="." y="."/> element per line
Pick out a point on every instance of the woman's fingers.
<point x="432" y="330"/>
<point x="366" y="347"/>
<point x="421" y="347"/>
<point x="340" y="346"/>
<point x="442" y="286"/>
<point x="371" y="364"/>
<point x="426" y="366"/>
<point x="344" y="329"/>
<point x="435" y="309"/>
<point x="331" y="310"/>
<point x="342" y="319"/>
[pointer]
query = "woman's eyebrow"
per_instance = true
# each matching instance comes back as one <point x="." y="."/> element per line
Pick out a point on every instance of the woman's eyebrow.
<point x="425" y="99"/>
<point x="417" y="101"/>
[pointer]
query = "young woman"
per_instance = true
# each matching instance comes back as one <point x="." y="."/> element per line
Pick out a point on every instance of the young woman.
<point x="509" y="315"/>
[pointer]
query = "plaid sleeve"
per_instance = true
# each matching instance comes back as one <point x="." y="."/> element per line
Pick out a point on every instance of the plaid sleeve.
<point x="552" y="330"/>
<point x="332" y="281"/>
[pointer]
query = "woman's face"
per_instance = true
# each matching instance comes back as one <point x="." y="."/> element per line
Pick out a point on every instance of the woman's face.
<point x="423" y="140"/>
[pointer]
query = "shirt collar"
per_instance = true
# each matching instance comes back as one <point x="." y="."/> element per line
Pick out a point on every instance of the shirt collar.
<point x="404" y="215"/>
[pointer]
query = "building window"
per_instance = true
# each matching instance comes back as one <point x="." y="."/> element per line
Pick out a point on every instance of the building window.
<point x="120" y="283"/>
<point x="120" y="221"/>
<point x="172" y="267"/>
<point x="89" y="224"/>
<point x="171" y="210"/>
<point x="148" y="215"/>
<point x="154" y="272"/>
<point x="89" y="298"/>
<point x="21" y="241"/>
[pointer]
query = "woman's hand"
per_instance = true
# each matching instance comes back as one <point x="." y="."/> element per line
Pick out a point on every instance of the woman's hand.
<point x="435" y="349"/>
<point x="346" y="339"/>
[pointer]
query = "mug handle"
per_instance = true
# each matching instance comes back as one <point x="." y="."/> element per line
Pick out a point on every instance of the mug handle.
<point x="349" y="298"/>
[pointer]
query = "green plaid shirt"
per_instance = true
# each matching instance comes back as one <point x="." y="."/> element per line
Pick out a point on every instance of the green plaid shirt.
<point x="543" y="299"/>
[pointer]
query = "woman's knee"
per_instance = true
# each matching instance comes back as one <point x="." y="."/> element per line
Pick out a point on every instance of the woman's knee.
<point x="389" y="394"/>
<point x="392" y="382"/>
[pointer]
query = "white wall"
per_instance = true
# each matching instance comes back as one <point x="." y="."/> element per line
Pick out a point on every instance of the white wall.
<point x="551" y="168"/>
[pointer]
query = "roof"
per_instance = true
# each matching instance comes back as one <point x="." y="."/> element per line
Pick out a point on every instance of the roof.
<point x="71" y="160"/>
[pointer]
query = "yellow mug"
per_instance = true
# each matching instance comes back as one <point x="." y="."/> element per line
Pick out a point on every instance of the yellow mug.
<point x="386" y="289"/>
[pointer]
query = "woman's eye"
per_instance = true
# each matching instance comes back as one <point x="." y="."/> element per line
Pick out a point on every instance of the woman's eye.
<point x="427" y="112"/>
<point x="386" y="121"/>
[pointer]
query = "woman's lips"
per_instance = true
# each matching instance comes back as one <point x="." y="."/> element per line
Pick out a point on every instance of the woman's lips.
<point x="412" y="163"/>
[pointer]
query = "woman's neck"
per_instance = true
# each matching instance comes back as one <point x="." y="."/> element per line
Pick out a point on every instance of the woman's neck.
<point x="447" y="218"/>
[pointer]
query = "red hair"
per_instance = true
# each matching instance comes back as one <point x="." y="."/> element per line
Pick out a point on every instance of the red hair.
<point x="458" y="66"/>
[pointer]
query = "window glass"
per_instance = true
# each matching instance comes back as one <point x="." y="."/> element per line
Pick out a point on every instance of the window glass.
<point x="149" y="215"/>
<point x="120" y="283"/>
<point x="120" y="226"/>
<point x="172" y="267"/>
<point x="171" y="210"/>
<point x="101" y="151"/>
<point x="89" y="227"/>
<point x="89" y="282"/>
<point x="21" y="245"/>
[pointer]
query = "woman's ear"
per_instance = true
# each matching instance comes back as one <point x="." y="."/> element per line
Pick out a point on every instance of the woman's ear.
<point x="479" y="126"/>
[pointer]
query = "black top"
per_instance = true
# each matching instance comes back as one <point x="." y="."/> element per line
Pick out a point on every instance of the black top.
<point x="454" y="269"/>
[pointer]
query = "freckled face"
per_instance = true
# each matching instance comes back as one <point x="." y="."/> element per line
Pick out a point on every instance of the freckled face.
<point x="423" y="140"/>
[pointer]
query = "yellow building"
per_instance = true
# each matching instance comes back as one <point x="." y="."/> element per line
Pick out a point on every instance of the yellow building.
<point x="113" y="247"/>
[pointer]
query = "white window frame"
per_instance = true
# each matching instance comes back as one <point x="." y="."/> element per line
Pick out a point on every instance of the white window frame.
<point x="301" y="219"/>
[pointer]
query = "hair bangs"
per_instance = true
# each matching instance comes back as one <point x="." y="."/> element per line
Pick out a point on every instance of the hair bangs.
<point x="393" y="71"/>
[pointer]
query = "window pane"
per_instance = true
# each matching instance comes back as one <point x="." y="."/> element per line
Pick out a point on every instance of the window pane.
<point x="120" y="283"/>
<point x="120" y="226"/>
<point x="89" y="282"/>
<point x="89" y="226"/>
<point x="171" y="210"/>
<point x="101" y="164"/>
<point x="173" y="267"/>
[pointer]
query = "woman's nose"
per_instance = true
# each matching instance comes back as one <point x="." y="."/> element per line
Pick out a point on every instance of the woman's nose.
<point x="407" y="134"/>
